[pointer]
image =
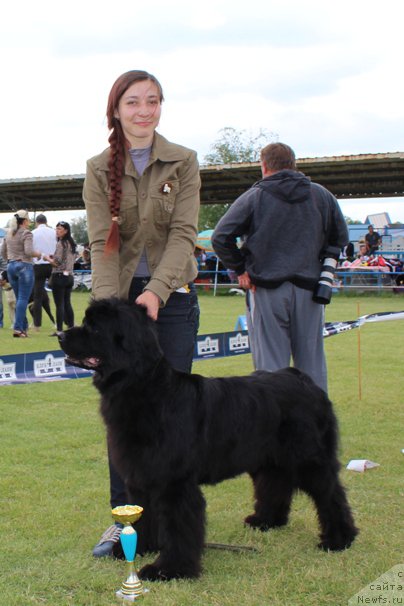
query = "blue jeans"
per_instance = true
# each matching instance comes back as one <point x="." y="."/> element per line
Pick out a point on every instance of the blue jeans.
<point x="177" y="328"/>
<point x="1" y="307"/>
<point x="21" y="278"/>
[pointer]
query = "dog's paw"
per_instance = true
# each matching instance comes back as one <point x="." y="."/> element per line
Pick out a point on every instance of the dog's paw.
<point x="153" y="572"/>
<point x="337" y="542"/>
<point x="159" y="571"/>
<point x="256" y="522"/>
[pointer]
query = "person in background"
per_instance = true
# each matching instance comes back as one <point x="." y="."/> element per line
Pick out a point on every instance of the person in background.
<point x="363" y="253"/>
<point x="45" y="241"/>
<point x="3" y="270"/>
<point x="289" y="226"/>
<point x="347" y="253"/>
<point x="373" y="240"/>
<point x="83" y="262"/>
<point x="86" y="258"/>
<point x="18" y="249"/>
<point x="142" y="200"/>
<point x="62" y="276"/>
<point x="9" y="295"/>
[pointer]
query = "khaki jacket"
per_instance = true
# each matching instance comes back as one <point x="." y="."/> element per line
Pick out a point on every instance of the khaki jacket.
<point x="164" y="224"/>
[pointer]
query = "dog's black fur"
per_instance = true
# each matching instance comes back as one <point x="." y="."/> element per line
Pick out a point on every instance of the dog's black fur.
<point x="170" y="432"/>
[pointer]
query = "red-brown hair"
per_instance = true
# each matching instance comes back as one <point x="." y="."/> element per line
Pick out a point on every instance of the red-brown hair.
<point x="118" y="146"/>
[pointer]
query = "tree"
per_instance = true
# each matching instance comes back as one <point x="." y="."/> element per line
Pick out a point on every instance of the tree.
<point x="350" y="221"/>
<point x="210" y="214"/>
<point x="238" y="146"/>
<point x="232" y="146"/>
<point x="79" y="230"/>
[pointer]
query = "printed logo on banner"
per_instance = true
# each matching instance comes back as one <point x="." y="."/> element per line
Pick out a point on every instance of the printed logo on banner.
<point x="7" y="370"/>
<point x="208" y="346"/>
<point x="335" y="328"/>
<point x="239" y="343"/>
<point x="49" y="366"/>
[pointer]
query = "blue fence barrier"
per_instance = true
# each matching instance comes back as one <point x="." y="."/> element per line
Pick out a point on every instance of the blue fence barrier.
<point x="345" y="278"/>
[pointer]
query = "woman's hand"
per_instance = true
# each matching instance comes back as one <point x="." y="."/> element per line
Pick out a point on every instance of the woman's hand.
<point x="151" y="301"/>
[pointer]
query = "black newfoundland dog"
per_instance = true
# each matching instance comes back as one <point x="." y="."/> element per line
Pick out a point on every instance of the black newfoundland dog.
<point x="169" y="432"/>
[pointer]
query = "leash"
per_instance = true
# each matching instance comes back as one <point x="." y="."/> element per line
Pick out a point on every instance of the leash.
<point x="228" y="547"/>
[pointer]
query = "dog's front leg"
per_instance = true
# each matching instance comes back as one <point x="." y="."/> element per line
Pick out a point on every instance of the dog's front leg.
<point x="147" y="527"/>
<point x="181" y="514"/>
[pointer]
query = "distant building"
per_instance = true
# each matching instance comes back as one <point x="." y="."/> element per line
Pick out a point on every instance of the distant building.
<point x="379" y="221"/>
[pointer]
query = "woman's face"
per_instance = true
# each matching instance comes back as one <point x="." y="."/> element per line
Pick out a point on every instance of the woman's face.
<point x="60" y="231"/>
<point x="139" y="111"/>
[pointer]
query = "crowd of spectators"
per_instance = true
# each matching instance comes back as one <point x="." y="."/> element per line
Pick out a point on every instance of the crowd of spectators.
<point x="33" y="263"/>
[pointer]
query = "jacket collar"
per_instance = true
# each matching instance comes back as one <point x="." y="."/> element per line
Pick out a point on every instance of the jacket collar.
<point x="161" y="150"/>
<point x="165" y="151"/>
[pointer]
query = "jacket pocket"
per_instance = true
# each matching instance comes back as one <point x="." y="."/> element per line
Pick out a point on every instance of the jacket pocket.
<point x="163" y="198"/>
<point x="128" y="214"/>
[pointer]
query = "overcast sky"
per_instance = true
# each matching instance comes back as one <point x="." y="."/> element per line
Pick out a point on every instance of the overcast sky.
<point x="327" y="78"/>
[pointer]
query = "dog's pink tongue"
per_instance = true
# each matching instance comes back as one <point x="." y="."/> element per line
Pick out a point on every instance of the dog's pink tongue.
<point x="92" y="361"/>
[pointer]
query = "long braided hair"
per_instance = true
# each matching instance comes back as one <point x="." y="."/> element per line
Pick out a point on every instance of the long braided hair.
<point x="118" y="146"/>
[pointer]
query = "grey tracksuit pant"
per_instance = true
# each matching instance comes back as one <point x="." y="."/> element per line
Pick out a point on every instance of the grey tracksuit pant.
<point x="285" y="323"/>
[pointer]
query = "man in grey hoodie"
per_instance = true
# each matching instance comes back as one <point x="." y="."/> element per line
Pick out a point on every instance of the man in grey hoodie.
<point x="288" y="226"/>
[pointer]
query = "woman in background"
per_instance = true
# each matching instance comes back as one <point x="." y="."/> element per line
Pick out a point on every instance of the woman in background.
<point x="62" y="276"/>
<point x="142" y="200"/>
<point x="18" y="249"/>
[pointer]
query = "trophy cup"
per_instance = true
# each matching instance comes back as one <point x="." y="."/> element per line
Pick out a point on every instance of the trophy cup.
<point x="132" y="588"/>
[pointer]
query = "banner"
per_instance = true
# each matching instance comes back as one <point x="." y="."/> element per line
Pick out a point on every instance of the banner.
<point x="335" y="328"/>
<point x="52" y="366"/>
<point x="38" y="367"/>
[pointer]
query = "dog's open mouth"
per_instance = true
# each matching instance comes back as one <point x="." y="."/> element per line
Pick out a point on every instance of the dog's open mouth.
<point x="88" y="363"/>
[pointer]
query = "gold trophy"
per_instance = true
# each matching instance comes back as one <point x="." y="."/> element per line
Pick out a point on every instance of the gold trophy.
<point x="132" y="588"/>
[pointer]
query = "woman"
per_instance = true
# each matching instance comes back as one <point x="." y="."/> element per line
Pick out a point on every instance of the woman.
<point x="62" y="276"/>
<point x="18" y="249"/>
<point x="142" y="200"/>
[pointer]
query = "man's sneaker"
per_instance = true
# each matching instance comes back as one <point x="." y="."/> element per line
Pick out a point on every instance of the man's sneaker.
<point x="109" y="539"/>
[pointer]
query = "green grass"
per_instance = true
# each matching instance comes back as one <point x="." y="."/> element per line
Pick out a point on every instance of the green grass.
<point x="54" y="483"/>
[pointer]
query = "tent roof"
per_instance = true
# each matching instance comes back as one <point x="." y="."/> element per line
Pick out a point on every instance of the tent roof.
<point x="361" y="176"/>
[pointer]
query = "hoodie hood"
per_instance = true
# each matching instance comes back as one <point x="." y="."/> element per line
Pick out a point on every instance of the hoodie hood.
<point x="287" y="185"/>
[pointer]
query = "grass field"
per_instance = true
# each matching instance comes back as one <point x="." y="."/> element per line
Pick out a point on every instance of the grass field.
<point x="54" y="483"/>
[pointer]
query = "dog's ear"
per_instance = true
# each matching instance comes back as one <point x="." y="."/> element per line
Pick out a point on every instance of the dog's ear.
<point x="140" y="334"/>
<point x="140" y="309"/>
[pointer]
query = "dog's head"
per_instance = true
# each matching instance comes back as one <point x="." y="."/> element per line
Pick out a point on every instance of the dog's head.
<point x="114" y="336"/>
